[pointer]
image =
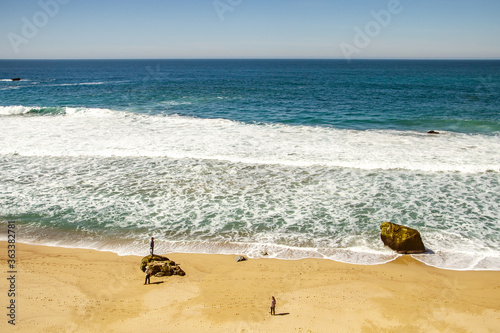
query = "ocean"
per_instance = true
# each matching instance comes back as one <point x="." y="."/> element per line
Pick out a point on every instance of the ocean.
<point x="283" y="159"/>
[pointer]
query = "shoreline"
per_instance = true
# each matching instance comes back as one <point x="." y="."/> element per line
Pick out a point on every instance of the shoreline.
<point x="298" y="254"/>
<point x="67" y="289"/>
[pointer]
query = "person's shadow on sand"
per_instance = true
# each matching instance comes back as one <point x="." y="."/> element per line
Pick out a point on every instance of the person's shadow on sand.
<point x="283" y="314"/>
<point x="157" y="282"/>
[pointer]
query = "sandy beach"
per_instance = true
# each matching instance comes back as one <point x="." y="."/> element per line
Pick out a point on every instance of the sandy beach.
<point x="75" y="290"/>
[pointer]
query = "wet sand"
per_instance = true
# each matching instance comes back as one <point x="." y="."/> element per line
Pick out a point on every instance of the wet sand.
<point x="75" y="290"/>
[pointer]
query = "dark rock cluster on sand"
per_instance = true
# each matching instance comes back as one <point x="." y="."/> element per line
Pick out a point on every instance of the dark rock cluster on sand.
<point x="402" y="239"/>
<point x="161" y="266"/>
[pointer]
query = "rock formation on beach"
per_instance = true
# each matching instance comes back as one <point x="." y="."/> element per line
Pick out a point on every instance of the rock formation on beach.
<point x="402" y="239"/>
<point x="161" y="266"/>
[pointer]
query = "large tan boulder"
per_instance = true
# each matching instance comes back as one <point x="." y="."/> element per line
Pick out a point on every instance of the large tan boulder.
<point x="402" y="239"/>
<point x="161" y="266"/>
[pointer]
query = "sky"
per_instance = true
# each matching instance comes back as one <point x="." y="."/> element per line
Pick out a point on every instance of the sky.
<point x="178" y="29"/>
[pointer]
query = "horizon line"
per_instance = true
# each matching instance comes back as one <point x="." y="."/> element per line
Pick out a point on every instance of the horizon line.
<point x="262" y="58"/>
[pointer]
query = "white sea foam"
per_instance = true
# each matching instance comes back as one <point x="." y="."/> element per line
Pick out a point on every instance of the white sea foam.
<point x="11" y="88"/>
<point x="91" y="113"/>
<point x="461" y="260"/>
<point x="175" y="103"/>
<point x="15" y="110"/>
<point x="76" y="84"/>
<point x="82" y="132"/>
<point x="221" y="207"/>
<point x="109" y="179"/>
<point x="452" y="260"/>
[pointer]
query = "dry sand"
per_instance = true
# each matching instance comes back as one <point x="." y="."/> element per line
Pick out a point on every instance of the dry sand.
<point x="74" y="290"/>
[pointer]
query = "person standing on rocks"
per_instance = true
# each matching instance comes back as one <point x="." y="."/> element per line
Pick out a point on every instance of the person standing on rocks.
<point x="152" y="245"/>
<point x="273" y="306"/>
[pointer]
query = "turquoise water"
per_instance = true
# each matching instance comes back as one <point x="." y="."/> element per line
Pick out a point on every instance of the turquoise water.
<point x="458" y="96"/>
<point x="294" y="158"/>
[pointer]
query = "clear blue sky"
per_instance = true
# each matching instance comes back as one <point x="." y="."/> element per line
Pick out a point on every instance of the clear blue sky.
<point x="81" y="29"/>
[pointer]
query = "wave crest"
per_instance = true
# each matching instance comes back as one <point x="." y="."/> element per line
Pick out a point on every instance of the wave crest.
<point x="108" y="133"/>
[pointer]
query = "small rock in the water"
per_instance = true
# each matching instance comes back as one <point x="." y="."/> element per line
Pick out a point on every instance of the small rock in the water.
<point x="432" y="132"/>
<point x="240" y="258"/>
<point x="16" y="79"/>
<point x="402" y="239"/>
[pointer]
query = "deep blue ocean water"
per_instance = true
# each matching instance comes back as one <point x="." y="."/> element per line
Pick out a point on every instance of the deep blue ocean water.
<point x="293" y="158"/>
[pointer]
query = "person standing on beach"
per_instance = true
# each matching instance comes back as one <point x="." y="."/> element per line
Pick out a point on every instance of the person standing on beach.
<point x="152" y="245"/>
<point x="273" y="306"/>
<point x="148" y="275"/>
